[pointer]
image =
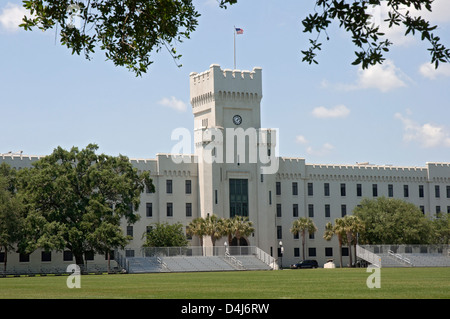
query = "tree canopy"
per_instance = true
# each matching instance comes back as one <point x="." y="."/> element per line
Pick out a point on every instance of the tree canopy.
<point x="165" y="235"/>
<point x="392" y="221"/>
<point x="130" y="31"/>
<point x="75" y="200"/>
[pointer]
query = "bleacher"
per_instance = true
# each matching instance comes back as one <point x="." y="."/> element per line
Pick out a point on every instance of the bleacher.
<point x="183" y="263"/>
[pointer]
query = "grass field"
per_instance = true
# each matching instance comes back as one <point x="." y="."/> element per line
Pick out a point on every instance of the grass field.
<point x="408" y="283"/>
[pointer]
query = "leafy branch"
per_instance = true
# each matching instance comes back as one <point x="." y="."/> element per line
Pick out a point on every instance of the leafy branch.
<point x="354" y="18"/>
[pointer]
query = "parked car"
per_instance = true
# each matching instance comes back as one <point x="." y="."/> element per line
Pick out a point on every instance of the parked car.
<point x="305" y="264"/>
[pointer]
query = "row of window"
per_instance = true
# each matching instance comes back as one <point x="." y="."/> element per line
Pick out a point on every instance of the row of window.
<point x="359" y="190"/>
<point x="47" y="256"/>
<point x="169" y="187"/>
<point x="169" y="209"/>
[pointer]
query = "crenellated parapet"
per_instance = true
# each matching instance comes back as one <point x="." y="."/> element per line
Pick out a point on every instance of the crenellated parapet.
<point x="233" y="86"/>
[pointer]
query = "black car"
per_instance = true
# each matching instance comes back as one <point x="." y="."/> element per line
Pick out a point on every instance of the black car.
<point x="305" y="264"/>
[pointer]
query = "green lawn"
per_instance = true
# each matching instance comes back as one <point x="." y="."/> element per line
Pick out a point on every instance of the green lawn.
<point x="306" y="283"/>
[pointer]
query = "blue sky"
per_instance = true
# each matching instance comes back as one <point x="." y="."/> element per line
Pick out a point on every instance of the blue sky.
<point x="331" y="113"/>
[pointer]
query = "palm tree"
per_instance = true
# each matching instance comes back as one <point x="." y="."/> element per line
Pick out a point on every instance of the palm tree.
<point x="197" y="228"/>
<point x="339" y="230"/>
<point x="214" y="228"/>
<point x="238" y="227"/>
<point x="353" y="226"/>
<point x="243" y="227"/>
<point x="301" y="226"/>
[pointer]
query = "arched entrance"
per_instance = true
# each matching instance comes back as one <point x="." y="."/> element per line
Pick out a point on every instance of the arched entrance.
<point x="242" y="242"/>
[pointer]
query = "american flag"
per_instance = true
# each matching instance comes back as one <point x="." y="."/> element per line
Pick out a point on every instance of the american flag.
<point x="239" y="31"/>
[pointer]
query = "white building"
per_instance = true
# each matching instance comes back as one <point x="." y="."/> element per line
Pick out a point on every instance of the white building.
<point x="225" y="180"/>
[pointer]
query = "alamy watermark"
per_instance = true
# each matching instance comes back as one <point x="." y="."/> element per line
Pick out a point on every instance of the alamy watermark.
<point x="74" y="280"/>
<point x="374" y="280"/>
<point x="74" y="19"/>
<point x="228" y="145"/>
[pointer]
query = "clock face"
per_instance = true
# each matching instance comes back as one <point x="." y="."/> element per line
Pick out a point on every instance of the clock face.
<point x="237" y="119"/>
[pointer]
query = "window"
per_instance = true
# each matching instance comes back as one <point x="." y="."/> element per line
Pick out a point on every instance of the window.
<point x="295" y="210"/>
<point x="310" y="210"/>
<point x="129" y="253"/>
<point x="296" y="236"/>
<point x="89" y="255"/>
<point x="149" y="209"/>
<point x="343" y="210"/>
<point x="279" y="232"/>
<point x="374" y="190"/>
<point x="421" y="194"/>
<point x="188" y="209"/>
<point x="359" y="190"/>
<point x="270" y="197"/>
<point x="67" y="255"/>
<point x="342" y="189"/>
<point x="188" y="187"/>
<point x="329" y="251"/>
<point x="391" y="190"/>
<point x="437" y="192"/>
<point x="448" y="191"/>
<point x="215" y="196"/>
<point x="422" y="209"/>
<point x="405" y="191"/>
<point x="310" y="189"/>
<point x="296" y="252"/>
<point x="344" y="251"/>
<point x="24" y="258"/>
<point x="438" y="209"/>
<point x="326" y="189"/>
<point x="294" y="188"/>
<point x="169" y="186"/>
<point x="327" y="210"/>
<point x="169" y="209"/>
<point x="130" y="231"/>
<point x="311" y="252"/>
<point x="238" y="197"/>
<point x="278" y="210"/>
<point x="46" y="256"/>
<point x="278" y="188"/>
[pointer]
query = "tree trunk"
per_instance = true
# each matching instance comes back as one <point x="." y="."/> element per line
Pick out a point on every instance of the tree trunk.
<point x="6" y="259"/>
<point x="349" y="240"/>
<point x="303" y="244"/>
<point x="79" y="260"/>
<point x="109" y="262"/>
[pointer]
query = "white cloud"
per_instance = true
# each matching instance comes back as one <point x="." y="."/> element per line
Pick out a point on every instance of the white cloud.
<point x="173" y="103"/>
<point x="11" y="16"/>
<point x="335" y="112"/>
<point x="384" y="77"/>
<point x="324" y="150"/>
<point x="301" y="139"/>
<point x="427" y="135"/>
<point x="429" y="71"/>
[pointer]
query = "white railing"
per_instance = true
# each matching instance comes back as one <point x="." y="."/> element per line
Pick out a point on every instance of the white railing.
<point x="400" y="258"/>
<point x="266" y="258"/>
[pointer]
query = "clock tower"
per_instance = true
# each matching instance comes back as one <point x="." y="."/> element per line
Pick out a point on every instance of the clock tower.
<point x="227" y="126"/>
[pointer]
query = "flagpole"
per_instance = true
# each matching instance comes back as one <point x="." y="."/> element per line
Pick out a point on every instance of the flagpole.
<point x="234" y="47"/>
